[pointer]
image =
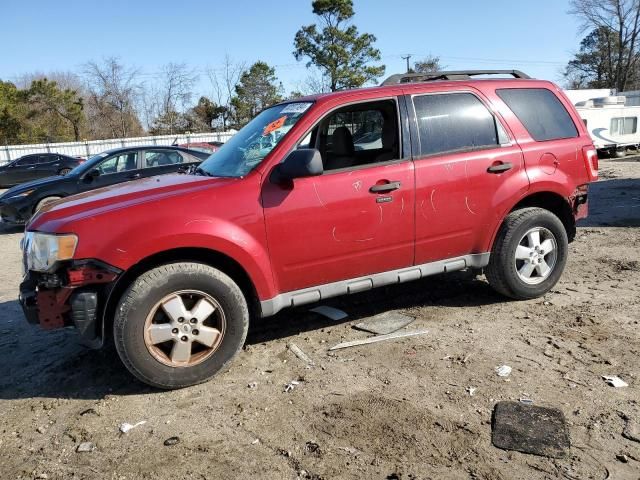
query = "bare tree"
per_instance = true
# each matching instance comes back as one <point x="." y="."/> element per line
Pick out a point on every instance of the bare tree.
<point x="172" y="95"/>
<point x="223" y="81"/>
<point x="113" y="92"/>
<point x="622" y="18"/>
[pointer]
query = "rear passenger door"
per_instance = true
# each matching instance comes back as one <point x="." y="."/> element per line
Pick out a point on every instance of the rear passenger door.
<point x="466" y="164"/>
<point x="159" y="162"/>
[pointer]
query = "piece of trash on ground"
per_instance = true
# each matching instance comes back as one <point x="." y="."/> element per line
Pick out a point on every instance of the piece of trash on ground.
<point x="125" y="427"/>
<point x="169" y="442"/>
<point x="378" y="338"/>
<point x="530" y="429"/>
<point x="86" y="447"/>
<point x="526" y="401"/>
<point x="330" y="312"/>
<point x="503" y="370"/>
<point x="385" y="323"/>
<point x="291" y="385"/>
<point x="297" y="351"/>
<point x="471" y="391"/>
<point x="256" y="441"/>
<point x="615" y="381"/>
<point x="252" y="385"/>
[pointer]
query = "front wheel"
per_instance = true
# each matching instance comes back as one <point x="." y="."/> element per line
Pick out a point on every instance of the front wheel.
<point x="528" y="255"/>
<point x="179" y="324"/>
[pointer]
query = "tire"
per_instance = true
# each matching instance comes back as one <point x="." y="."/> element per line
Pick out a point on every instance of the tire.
<point x="64" y="171"/>
<point x="45" y="201"/>
<point x="508" y="274"/>
<point x="136" y="327"/>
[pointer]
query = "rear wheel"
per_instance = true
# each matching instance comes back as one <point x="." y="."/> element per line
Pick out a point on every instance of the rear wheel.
<point x="179" y="324"/>
<point x="529" y="254"/>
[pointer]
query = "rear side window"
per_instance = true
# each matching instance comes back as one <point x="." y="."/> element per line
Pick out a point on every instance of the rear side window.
<point x="541" y="113"/>
<point x="454" y="122"/>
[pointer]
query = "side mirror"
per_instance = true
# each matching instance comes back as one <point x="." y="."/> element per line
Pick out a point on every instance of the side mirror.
<point x="303" y="162"/>
<point x="92" y="175"/>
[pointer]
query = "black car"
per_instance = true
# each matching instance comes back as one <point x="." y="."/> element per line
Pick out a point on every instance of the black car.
<point x="19" y="203"/>
<point x="39" y="165"/>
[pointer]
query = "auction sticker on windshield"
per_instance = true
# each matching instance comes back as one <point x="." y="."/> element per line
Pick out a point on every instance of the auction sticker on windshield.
<point x="296" y="107"/>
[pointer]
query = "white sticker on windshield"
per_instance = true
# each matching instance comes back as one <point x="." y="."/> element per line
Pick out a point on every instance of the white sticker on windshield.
<point x="296" y="107"/>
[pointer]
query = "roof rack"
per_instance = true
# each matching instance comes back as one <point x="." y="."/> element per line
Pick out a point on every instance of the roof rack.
<point x="448" y="75"/>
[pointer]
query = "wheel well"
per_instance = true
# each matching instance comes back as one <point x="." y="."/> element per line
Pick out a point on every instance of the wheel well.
<point x="212" y="258"/>
<point x="556" y="204"/>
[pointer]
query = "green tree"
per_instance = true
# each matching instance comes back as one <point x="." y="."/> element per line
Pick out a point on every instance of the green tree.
<point x="204" y="113"/>
<point x="338" y="49"/>
<point x="258" y="89"/>
<point x="429" y="64"/>
<point x="46" y="98"/>
<point x="12" y="113"/>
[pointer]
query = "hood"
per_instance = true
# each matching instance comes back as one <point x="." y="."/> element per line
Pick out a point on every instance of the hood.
<point x="124" y="195"/>
<point x="23" y="187"/>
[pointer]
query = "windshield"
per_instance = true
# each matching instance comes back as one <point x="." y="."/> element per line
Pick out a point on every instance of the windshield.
<point x="88" y="164"/>
<point x="247" y="148"/>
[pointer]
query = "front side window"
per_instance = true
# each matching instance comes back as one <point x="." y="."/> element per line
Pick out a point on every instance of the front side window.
<point x="28" y="160"/>
<point x="454" y="122"/>
<point x="624" y="125"/>
<point x="119" y="163"/>
<point x="247" y="148"/>
<point x="541" y="113"/>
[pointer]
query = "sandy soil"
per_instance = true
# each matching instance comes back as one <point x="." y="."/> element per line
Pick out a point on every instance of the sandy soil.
<point x="398" y="409"/>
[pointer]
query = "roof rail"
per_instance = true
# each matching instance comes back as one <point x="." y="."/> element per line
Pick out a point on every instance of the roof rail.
<point x="448" y="75"/>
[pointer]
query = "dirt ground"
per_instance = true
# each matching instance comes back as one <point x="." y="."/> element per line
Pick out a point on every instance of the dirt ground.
<point x="392" y="410"/>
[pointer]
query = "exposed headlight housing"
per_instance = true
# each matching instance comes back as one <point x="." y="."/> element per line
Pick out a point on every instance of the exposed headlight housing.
<point x="42" y="251"/>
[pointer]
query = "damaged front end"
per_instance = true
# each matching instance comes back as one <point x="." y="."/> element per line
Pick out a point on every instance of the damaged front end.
<point x="74" y="295"/>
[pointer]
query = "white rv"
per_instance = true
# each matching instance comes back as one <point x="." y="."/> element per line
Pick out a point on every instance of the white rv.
<point x="612" y="124"/>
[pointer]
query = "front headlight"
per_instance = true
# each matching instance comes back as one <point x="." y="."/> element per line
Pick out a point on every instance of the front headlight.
<point x="43" y="250"/>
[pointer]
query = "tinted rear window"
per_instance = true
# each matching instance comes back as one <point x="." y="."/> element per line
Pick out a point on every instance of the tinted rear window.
<point x="453" y="122"/>
<point x="541" y="113"/>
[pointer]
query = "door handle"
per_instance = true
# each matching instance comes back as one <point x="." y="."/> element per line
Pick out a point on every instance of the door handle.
<point x="499" y="168"/>
<point x="385" y="187"/>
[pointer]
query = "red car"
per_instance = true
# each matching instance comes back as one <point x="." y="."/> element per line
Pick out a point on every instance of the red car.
<point x="469" y="173"/>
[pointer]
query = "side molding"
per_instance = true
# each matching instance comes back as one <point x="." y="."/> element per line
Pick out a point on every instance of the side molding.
<point x="360" y="284"/>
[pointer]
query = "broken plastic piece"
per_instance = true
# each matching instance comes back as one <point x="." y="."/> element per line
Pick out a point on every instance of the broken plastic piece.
<point x="614" y="381"/>
<point x="503" y="370"/>
<point x="378" y="338"/>
<point x="330" y="312"/>
<point x="125" y="427"/>
<point x="297" y="351"/>
<point x="290" y="386"/>
<point x="385" y="323"/>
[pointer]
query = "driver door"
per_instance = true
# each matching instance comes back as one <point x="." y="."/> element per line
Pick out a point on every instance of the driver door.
<point x="355" y="219"/>
<point x="114" y="169"/>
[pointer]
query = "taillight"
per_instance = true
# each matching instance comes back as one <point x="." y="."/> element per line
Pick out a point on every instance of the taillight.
<point x="590" y="156"/>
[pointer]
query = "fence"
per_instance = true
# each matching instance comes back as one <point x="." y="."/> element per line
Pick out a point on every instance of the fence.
<point x="87" y="149"/>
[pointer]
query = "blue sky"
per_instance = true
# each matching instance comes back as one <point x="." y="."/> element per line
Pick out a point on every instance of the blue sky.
<point x="44" y="35"/>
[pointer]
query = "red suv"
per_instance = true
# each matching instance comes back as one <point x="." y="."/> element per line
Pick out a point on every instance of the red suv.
<point x="322" y="196"/>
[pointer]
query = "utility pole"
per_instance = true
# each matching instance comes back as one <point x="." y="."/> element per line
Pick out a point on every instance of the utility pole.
<point x="407" y="59"/>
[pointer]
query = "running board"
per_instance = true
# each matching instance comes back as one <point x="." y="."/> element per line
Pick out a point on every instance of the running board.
<point x="360" y="284"/>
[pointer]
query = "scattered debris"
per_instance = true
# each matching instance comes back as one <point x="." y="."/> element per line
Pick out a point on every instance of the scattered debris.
<point x="297" y="351"/>
<point x="256" y="441"/>
<point x="526" y="401"/>
<point x="313" y="448"/>
<point x="471" y="391"/>
<point x="503" y="370"/>
<point x="350" y="450"/>
<point x="622" y="458"/>
<point x="88" y="411"/>
<point x="615" y="381"/>
<point x="530" y="429"/>
<point x="41" y="429"/>
<point x="290" y="386"/>
<point x="330" y="312"/>
<point x="631" y="429"/>
<point x="385" y="323"/>
<point x="125" y="427"/>
<point x="252" y="385"/>
<point x="378" y="338"/>
<point x="85" y="447"/>
<point x="169" y="442"/>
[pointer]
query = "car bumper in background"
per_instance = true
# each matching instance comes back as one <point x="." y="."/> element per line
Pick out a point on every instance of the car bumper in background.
<point x="73" y="296"/>
<point x="15" y="212"/>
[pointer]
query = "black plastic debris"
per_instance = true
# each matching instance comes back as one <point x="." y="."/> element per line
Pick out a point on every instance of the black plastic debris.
<point x="530" y="429"/>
